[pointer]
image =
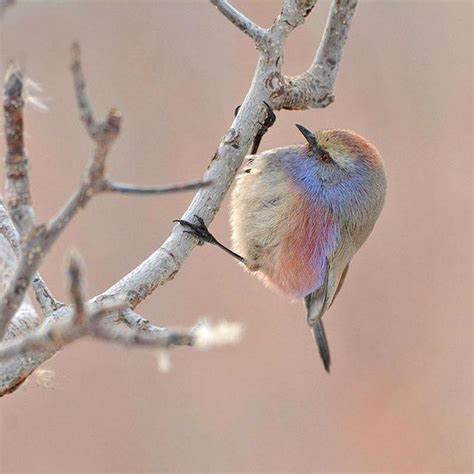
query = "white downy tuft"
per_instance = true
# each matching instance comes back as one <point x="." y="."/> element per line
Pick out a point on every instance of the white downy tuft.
<point x="223" y="333"/>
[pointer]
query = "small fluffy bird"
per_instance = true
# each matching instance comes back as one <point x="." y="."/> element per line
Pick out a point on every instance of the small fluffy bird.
<point x="300" y="213"/>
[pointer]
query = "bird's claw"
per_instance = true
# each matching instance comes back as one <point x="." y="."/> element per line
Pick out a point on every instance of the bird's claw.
<point x="264" y="126"/>
<point x="267" y="123"/>
<point x="199" y="230"/>
<point x="269" y="119"/>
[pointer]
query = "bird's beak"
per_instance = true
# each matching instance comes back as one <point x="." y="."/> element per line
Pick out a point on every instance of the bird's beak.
<point x="310" y="137"/>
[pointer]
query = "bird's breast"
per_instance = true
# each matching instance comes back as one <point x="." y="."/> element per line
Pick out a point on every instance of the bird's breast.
<point x="305" y="243"/>
<point x="283" y="236"/>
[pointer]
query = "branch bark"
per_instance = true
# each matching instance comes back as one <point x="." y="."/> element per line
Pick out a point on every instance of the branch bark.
<point x="240" y="21"/>
<point x="85" y="321"/>
<point x="17" y="181"/>
<point x="315" y="87"/>
<point x="124" y="188"/>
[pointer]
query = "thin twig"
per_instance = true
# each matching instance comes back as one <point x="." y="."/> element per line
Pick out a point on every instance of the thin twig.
<point x="51" y="337"/>
<point x="61" y="334"/>
<point x="17" y="181"/>
<point x="85" y="109"/>
<point x="124" y="188"/>
<point x="44" y="296"/>
<point x="75" y="290"/>
<point x="255" y="32"/>
<point x="41" y="237"/>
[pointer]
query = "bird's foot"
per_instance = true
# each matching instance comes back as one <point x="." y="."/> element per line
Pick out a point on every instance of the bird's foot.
<point x="199" y="230"/>
<point x="264" y="126"/>
<point x="269" y="120"/>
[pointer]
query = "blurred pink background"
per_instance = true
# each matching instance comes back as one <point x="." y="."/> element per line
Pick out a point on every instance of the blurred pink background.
<point x="399" y="397"/>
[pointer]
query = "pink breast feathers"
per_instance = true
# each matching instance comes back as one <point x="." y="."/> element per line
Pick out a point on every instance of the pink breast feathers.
<point x="310" y="236"/>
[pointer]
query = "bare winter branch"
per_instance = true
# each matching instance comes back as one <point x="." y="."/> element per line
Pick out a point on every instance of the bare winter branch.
<point x="76" y="291"/>
<point x="41" y="237"/>
<point x="52" y="336"/>
<point x="17" y="182"/>
<point x="315" y="87"/>
<point x="240" y="21"/>
<point x="85" y="109"/>
<point x="268" y="86"/>
<point x="124" y="188"/>
<point x="311" y="89"/>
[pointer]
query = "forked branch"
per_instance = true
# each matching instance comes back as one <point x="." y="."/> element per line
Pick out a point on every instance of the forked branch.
<point x="313" y="88"/>
<point x="40" y="238"/>
<point x="85" y="321"/>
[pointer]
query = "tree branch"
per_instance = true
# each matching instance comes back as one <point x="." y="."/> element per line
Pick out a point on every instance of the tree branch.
<point x="124" y="188"/>
<point x="42" y="237"/>
<point x="13" y="372"/>
<point x="17" y="182"/>
<point x="85" y="109"/>
<point x="315" y="87"/>
<point x="240" y="21"/>
<point x="268" y="85"/>
<point x="52" y="336"/>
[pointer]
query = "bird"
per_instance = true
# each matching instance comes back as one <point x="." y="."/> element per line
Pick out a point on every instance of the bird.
<point x="299" y="214"/>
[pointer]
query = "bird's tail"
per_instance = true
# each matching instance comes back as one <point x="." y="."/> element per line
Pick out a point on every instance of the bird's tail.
<point x="322" y="343"/>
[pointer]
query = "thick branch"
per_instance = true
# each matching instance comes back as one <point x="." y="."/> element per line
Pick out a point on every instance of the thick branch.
<point x="267" y="86"/>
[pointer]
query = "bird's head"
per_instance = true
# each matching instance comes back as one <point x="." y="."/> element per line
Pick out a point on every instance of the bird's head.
<point x="341" y="149"/>
<point x="339" y="167"/>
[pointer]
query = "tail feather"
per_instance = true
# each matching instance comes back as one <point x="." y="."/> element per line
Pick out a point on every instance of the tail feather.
<point x="322" y="343"/>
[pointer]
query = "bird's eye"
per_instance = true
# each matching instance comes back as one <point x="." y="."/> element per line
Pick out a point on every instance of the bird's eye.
<point x="325" y="156"/>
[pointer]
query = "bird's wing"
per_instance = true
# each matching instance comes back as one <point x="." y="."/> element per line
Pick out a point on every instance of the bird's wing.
<point x="339" y="285"/>
<point x="317" y="303"/>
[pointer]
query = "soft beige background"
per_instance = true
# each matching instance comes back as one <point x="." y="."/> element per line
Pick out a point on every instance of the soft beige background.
<point x="399" y="396"/>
